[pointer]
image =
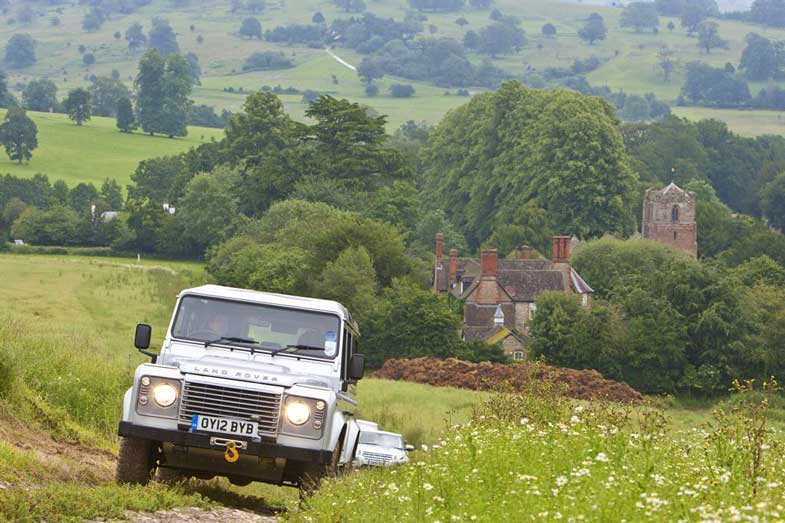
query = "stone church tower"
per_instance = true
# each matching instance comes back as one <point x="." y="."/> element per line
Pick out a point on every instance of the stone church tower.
<point x="669" y="217"/>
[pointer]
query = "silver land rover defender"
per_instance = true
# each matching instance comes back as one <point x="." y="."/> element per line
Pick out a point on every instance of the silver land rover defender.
<point x="248" y="385"/>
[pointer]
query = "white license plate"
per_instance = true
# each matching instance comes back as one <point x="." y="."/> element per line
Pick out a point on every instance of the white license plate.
<point x="223" y="425"/>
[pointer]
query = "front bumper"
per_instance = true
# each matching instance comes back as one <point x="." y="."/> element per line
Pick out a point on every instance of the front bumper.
<point x="202" y="441"/>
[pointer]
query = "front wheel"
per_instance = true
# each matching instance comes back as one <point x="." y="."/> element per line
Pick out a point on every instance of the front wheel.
<point x="135" y="462"/>
<point x="313" y="474"/>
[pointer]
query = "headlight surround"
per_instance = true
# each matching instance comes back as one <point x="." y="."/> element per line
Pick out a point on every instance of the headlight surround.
<point x="165" y="394"/>
<point x="158" y="396"/>
<point x="303" y="417"/>
<point x="297" y="412"/>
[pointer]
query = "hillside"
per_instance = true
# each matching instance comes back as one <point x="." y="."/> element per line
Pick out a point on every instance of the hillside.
<point x="95" y="151"/>
<point x="629" y="58"/>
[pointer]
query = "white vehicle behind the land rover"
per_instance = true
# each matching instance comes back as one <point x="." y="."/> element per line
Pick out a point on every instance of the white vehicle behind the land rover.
<point x="248" y="385"/>
<point x="377" y="448"/>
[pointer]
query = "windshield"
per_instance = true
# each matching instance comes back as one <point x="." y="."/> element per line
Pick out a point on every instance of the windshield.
<point x="383" y="440"/>
<point x="258" y="327"/>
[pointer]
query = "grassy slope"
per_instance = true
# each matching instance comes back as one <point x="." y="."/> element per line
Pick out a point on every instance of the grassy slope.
<point x="95" y="151"/>
<point x="631" y="64"/>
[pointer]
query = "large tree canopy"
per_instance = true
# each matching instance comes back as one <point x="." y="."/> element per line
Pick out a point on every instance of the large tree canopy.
<point x="558" y="150"/>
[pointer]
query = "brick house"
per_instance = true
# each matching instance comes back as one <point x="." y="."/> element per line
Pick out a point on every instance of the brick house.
<point x="499" y="294"/>
<point x="669" y="217"/>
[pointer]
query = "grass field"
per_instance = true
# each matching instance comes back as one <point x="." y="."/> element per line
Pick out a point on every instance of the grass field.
<point x="629" y="58"/>
<point x="745" y="123"/>
<point x="95" y="151"/>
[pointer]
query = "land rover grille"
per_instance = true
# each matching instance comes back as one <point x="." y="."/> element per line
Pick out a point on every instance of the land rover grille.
<point x="219" y="401"/>
<point x="373" y="458"/>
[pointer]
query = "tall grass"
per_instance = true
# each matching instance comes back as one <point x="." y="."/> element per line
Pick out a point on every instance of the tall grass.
<point x="536" y="457"/>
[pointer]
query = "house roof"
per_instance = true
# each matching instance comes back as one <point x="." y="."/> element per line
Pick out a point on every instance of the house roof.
<point x="526" y="285"/>
<point x="578" y="284"/>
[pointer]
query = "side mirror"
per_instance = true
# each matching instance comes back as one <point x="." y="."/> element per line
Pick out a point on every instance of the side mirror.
<point x="356" y="367"/>
<point x="142" y="340"/>
<point x="142" y="337"/>
<point x="409" y="448"/>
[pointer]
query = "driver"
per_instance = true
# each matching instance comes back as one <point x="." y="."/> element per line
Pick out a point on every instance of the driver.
<point x="219" y="324"/>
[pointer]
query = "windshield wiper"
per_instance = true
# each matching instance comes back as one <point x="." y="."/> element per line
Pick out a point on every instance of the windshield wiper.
<point x="235" y="339"/>
<point x="294" y="348"/>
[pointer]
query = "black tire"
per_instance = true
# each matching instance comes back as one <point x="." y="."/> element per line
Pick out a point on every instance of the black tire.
<point x="135" y="462"/>
<point x="169" y="476"/>
<point x="312" y="474"/>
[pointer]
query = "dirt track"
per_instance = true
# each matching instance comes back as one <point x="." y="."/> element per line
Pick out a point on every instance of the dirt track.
<point x="194" y="515"/>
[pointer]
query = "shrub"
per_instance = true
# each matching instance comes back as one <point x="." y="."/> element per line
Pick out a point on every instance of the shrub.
<point x="267" y="60"/>
<point x="7" y="377"/>
<point x="401" y="91"/>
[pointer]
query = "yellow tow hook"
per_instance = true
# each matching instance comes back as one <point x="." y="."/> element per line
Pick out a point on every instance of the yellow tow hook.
<point x="231" y="455"/>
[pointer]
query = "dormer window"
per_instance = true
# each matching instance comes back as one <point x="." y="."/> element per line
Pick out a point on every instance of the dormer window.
<point x="498" y="317"/>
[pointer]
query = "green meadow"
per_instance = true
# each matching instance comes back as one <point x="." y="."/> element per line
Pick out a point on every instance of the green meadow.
<point x="629" y="58"/>
<point x="95" y="151"/>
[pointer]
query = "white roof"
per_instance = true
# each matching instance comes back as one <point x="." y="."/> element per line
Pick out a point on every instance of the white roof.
<point x="269" y="298"/>
<point x="670" y="187"/>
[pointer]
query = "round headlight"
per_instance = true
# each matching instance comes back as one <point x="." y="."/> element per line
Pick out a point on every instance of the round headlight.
<point x="297" y="412"/>
<point x="165" y="394"/>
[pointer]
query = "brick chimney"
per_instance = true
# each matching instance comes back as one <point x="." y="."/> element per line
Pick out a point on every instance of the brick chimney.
<point x="488" y="289"/>
<point x="439" y="246"/>
<point x="453" y="265"/>
<point x="561" y="259"/>
<point x="526" y="252"/>
<point x="561" y="249"/>
<point x="488" y="262"/>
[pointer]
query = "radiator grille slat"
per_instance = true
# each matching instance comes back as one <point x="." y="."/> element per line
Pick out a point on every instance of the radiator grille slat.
<point x="219" y="401"/>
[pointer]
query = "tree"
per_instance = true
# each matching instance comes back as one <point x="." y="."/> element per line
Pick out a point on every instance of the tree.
<point x="640" y="16"/>
<point x="40" y="95"/>
<point x="501" y="38"/>
<point x="709" y="86"/>
<point x="768" y="12"/>
<point x="317" y="18"/>
<point x="117" y="35"/>
<point x="55" y="226"/>
<point x="370" y="70"/>
<point x="401" y="91"/>
<point x="135" y="37"/>
<point x="19" y="134"/>
<point x="88" y="59"/>
<point x="251" y="28"/>
<point x="126" y="120"/>
<point x="20" y="51"/>
<point x="208" y="211"/>
<point x="525" y="143"/>
<point x="593" y="29"/>
<point x="471" y="40"/>
<point x="461" y="22"/>
<point x="112" y="194"/>
<point x="666" y="62"/>
<point x="773" y="201"/>
<point x="194" y="69"/>
<point x="410" y="322"/>
<point x="25" y="14"/>
<point x="163" y="38"/>
<point x="759" y="59"/>
<point x="549" y="30"/>
<point x="256" y="6"/>
<point x="163" y="86"/>
<point x="105" y="94"/>
<point x="77" y="105"/>
<point x="351" y="281"/>
<point x="693" y="14"/>
<point x="93" y="20"/>
<point x="709" y="37"/>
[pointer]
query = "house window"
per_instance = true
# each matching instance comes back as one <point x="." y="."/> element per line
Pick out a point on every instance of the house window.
<point x="532" y="310"/>
<point x="585" y="299"/>
<point x="517" y="355"/>
<point x="675" y="213"/>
